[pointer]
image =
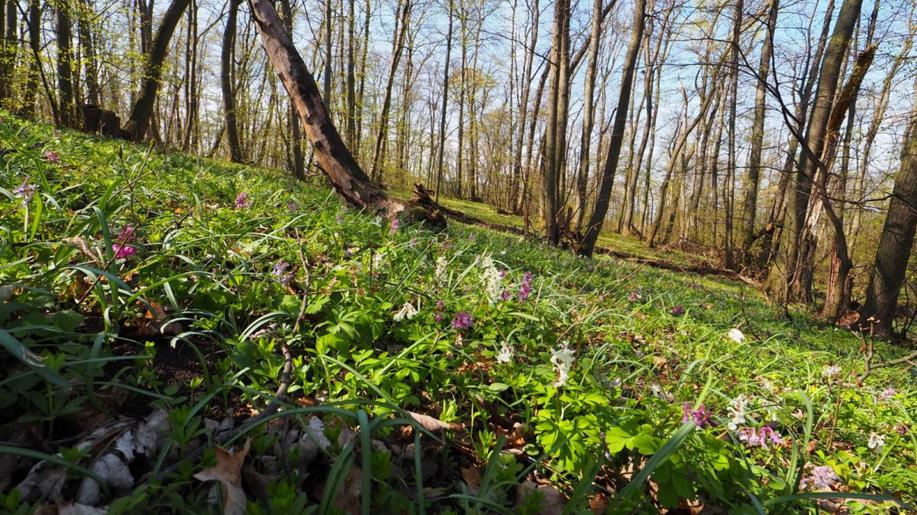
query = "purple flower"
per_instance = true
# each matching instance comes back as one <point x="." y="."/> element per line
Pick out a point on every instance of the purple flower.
<point x="242" y="201"/>
<point x="438" y="317"/>
<point x="122" y="251"/>
<point x="901" y="429"/>
<point x="759" y="437"/>
<point x="699" y="416"/>
<point x="281" y="273"/>
<point x="506" y="295"/>
<point x="822" y="478"/>
<point x="26" y="191"/>
<point x="677" y="311"/>
<point x="393" y="225"/>
<point x="52" y="156"/>
<point x="292" y="206"/>
<point x="525" y="288"/>
<point x="462" y="320"/>
<point x="127" y="234"/>
<point x="633" y="297"/>
<point x="440" y="305"/>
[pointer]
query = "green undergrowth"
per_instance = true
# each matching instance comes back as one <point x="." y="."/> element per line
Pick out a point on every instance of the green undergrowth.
<point x="134" y="280"/>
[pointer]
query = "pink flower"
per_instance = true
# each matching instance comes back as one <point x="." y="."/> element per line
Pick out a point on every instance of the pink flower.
<point x="393" y="226"/>
<point x="52" y="156"/>
<point x="821" y="478"/>
<point x="700" y="416"/>
<point x="123" y="251"/>
<point x="26" y="191"/>
<point x="462" y="320"/>
<point x="678" y="311"/>
<point x="242" y="201"/>
<point x="128" y="234"/>
<point x="759" y="437"/>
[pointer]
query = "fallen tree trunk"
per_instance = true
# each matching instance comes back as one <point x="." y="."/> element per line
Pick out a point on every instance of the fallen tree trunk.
<point x="339" y="165"/>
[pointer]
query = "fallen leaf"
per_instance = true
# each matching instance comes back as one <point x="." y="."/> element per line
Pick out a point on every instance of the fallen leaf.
<point x="472" y="478"/>
<point x="228" y="471"/>
<point x="112" y="471"/>
<point x="551" y="501"/>
<point x="434" y="424"/>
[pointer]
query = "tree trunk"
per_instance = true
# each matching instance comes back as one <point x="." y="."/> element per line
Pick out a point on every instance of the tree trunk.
<point x="351" y="124"/>
<point x="297" y="161"/>
<point x="142" y="112"/>
<point x="729" y="193"/>
<point x="442" y="116"/>
<point x="750" y="204"/>
<point x="603" y="197"/>
<point x="397" y="49"/>
<point x="335" y="159"/>
<point x="89" y="58"/>
<point x="226" y="82"/>
<point x="896" y="240"/>
<point x="582" y="175"/>
<point x="67" y="103"/>
<point x="800" y="249"/>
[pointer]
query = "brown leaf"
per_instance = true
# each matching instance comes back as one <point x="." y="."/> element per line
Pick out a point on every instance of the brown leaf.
<point x="472" y="478"/>
<point x="228" y="471"/>
<point x="434" y="424"/>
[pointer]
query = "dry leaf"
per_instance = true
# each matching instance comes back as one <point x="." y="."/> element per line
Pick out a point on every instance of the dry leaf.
<point x="228" y="471"/>
<point x="348" y="498"/>
<point x="472" y="478"/>
<point x="552" y="501"/>
<point x="434" y="424"/>
<point x="112" y="471"/>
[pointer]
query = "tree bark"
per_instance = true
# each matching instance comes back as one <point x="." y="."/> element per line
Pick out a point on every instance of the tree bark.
<point x="226" y="82"/>
<point x="142" y="112"/>
<point x="799" y="250"/>
<point x="582" y="175"/>
<point x="442" y="114"/>
<point x="603" y="198"/>
<point x="67" y="103"/>
<point x="334" y="157"/>
<point x="896" y="240"/>
<point x="750" y="203"/>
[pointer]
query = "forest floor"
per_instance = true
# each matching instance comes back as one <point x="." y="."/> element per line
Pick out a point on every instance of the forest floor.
<point x="187" y="335"/>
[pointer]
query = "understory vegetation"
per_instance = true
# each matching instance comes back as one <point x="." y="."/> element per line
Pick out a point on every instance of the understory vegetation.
<point x="186" y="335"/>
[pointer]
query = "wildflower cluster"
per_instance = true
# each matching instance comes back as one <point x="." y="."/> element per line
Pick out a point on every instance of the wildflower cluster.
<point x="562" y="359"/>
<point x="282" y="273"/>
<point x="26" y="191"/>
<point x="407" y="311"/>
<point x="820" y="478"/>
<point x="493" y="280"/>
<point x="760" y="437"/>
<point x="525" y="288"/>
<point x="700" y="416"/>
<point x="122" y="247"/>
<point x="462" y="320"/>
<point x="242" y="201"/>
<point x="506" y="353"/>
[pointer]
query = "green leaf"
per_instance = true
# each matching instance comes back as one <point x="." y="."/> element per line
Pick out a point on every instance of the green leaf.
<point x="498" y="387"/>
<point x="16" y="348"/>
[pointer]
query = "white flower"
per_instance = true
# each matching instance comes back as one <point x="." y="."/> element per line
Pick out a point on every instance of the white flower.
<point x="737" y="412"/>
<point x="407" y="311"/>
<point x="440" y="267"/>
<point x="562" y="359"/>
<point x="506" y="354"/>
<point x="378" y="260"/>
<point x="493" y="283"/>
<point x="736" y="335"/>
<point x="875" y="440"/>
<point x="831" y="371"/>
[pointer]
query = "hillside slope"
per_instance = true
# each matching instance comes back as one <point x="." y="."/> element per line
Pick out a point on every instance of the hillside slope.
<point x="156" y="306"/>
